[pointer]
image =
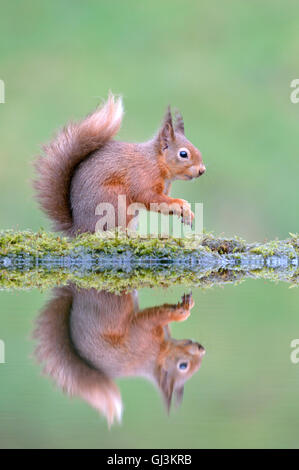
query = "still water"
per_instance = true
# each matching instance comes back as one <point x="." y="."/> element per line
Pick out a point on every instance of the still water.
<point x="178" y="370"/>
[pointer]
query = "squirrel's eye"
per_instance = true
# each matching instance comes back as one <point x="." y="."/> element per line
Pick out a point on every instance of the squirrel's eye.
<point x="183" y="153"/>
<point x="183" y="365"/>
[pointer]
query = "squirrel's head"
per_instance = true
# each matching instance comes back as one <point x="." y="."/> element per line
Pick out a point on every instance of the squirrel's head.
<point x="178" y="361"/>
<point x="183" y="160"/>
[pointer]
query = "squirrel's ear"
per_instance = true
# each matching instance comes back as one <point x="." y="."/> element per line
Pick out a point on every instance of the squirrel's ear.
<point x="166" y="133"/>
<point x="179" y="392"/>
<point x="179" y="123"/>
<point x="166" y="384"/>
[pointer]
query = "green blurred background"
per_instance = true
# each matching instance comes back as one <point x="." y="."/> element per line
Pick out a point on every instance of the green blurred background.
<point x="228" y="67"/>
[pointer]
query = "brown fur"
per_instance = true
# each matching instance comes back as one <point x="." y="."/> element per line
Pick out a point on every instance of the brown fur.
<point x="86" y="339"/>
<point x="83" y="167"/>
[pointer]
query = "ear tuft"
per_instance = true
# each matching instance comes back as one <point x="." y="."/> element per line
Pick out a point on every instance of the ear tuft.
<point x="179" y="123"/>
<point x="179" y="393"/>
<point x="166" y="132"/>
<point x="166" y="384"/>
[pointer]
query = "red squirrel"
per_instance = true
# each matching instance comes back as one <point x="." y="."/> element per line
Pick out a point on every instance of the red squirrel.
<point x="83" y="166"/>
<point x="88" y="338"/>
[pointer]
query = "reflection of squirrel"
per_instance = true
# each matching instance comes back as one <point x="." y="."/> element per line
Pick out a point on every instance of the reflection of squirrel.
<point x="84" y="167"/>
<point x="87" y="338"/>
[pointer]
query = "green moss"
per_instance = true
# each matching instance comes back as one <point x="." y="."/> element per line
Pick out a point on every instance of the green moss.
<point x="295" y="242"/>
<point x="114" y="281"/>
<point x="36" y="244"/>
<point x="46" y="260"/>
<point x="276" y="248"/>
<point x="117" y="281"/>
<point x="43" y="244"/>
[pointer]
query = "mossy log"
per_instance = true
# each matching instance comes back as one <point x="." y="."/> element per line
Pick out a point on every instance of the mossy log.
<point x="117" y="262"/>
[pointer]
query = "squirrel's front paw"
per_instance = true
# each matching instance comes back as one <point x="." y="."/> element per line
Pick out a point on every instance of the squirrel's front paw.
<point x="187" y="215"/>
<point x="182" y="310"/>
<point x="180" y="314"/>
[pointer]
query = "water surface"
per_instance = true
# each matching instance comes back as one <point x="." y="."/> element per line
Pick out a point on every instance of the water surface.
<point x="242" y="393"/>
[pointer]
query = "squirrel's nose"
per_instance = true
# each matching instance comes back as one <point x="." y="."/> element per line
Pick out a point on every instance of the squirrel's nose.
<point x="201" y="171"/>
<point x="202" y="350"/>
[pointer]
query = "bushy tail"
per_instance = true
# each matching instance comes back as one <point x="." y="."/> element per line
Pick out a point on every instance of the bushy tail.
<point x="72" y="144"/>
<point x="61" y="361"/>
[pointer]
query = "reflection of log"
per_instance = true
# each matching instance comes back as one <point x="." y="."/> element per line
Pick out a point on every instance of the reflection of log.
<point x="116" y="263"/>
